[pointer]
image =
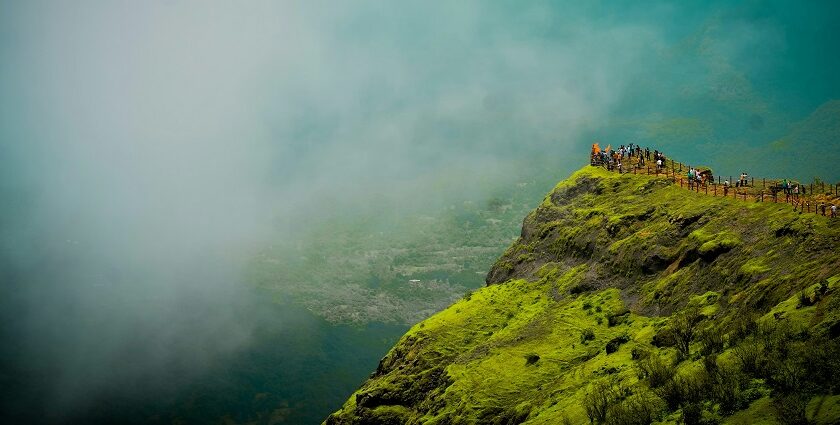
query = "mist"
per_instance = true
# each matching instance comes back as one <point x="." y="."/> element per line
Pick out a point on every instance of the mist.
<point x="149" y="149"/>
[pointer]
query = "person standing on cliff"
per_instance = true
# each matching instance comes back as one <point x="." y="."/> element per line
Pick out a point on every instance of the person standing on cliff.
<point x="833" y="211"/>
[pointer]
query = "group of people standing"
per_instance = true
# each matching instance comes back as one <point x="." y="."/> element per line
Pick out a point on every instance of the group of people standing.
<point x="818" y="208"/>
<point x="696" y="177"/>
<point x="790" y="188"/>
<point x="613" y="159"/>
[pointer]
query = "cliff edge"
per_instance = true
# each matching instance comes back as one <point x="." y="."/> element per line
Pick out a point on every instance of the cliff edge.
<point x="627" y="300"/>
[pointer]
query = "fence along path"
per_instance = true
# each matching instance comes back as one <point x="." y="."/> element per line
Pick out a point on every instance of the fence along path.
<point x="816" y="197"/>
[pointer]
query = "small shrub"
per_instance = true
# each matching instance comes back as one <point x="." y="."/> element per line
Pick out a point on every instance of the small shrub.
<point x="637" y="353"/>
<point x="684" y="326"/>
<point x="655" y="370"/>
<point x="683" y="389"/>
<point x="670" y="393"/>
<point x="664" y="337"/>
<point x="587" y="335"/>
<point x="618" y="318"/>
<point x="743" y="325"/>
<point x="790" y="409"/>
<point x="692" y="414"/>
<point x="710" y="364"/>
<point x="598" y="399"/>
<point x="580" y="288"/>
<point x="804" y="300"/>
<point x="788" y="374"/>
<point x="822" y="359"/>
<point x="615" y="343"/>
<point x="727" y="390"/>
<point x="777" y="337"/>
<point x="638" y="409"/>
<point x="750" y="356"/>
<point x="711" y="341"/>
<point x="823" y="288"/>
<point x="531" y="358"/>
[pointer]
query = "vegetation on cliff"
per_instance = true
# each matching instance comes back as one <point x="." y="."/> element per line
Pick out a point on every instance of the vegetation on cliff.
<point x="628" y="300"/>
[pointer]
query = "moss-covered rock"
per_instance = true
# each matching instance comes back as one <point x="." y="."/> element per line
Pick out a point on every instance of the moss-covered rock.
<point x="627" y="297"/>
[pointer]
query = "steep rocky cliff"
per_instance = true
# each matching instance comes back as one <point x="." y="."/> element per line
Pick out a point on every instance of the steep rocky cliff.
<point x="630" y="300"/>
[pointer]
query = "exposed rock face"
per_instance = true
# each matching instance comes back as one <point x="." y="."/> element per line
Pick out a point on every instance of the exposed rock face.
<point x="629" y="287"/>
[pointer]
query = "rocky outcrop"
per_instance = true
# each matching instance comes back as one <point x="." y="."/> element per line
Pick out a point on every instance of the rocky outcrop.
<point x="626" y="291"/>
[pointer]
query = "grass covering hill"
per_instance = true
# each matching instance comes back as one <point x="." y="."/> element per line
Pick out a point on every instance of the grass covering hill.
<point x="627" y="300"/>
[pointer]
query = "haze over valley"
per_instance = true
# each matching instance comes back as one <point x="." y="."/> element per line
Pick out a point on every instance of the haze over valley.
<point x="229" y="212"/>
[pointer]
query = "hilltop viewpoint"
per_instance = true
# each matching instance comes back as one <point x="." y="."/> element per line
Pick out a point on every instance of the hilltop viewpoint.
<point x="630" y="300"/>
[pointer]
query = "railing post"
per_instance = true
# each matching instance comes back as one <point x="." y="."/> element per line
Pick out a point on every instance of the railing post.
<point x="764" y="183"/>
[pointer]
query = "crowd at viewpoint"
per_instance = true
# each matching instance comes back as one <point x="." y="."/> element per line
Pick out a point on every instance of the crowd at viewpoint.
<point x="622" y="159"/>
<point x="612" y="158"/>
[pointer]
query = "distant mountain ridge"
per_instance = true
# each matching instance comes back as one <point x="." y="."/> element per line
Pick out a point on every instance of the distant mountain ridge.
<point x="815" y="140"/>
<point x="627" y="300"/>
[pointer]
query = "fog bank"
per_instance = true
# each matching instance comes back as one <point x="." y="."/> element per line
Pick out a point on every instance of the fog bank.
<point x="148" y="149"/>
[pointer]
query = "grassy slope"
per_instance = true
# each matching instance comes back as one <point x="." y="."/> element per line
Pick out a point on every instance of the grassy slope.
<point x="613" y="258"/>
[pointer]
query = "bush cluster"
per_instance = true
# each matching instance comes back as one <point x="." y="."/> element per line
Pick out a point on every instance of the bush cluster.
<point x="609" y="402"/>
<point x="793" y="363"/>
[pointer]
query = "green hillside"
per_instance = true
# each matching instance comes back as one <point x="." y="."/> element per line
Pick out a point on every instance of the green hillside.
<point x="629" y="300"/>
